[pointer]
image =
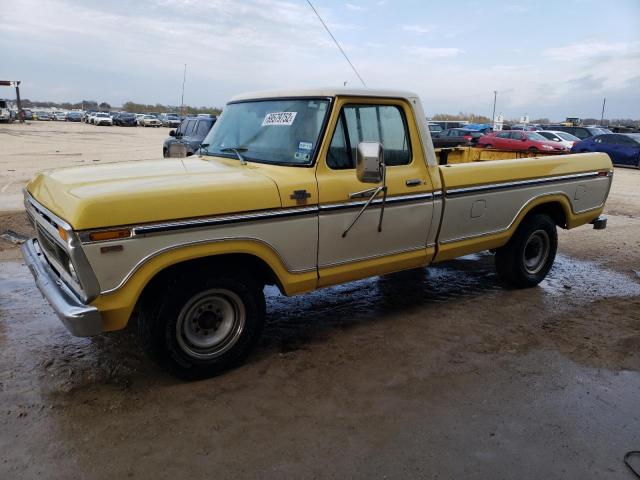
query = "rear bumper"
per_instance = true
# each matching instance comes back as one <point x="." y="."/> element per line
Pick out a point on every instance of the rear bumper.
<point x="80" y="319"/>
<point x="600" y="223"/>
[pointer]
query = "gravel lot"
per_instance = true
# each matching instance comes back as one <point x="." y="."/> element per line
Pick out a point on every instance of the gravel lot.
<point x="434" y="373"/>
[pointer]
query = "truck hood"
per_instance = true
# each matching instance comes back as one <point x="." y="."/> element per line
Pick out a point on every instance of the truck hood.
<point x="137" y="192"/>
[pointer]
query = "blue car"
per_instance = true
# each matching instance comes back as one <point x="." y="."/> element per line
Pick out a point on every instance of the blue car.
<point x="623" y="148"/>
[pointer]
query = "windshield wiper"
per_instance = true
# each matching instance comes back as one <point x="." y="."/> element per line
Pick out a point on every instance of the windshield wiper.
<point x="237" y="151"/>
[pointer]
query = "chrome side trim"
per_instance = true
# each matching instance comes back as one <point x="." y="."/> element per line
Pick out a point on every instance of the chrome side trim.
<point x="371" y="257"/>
<point x="255" y="216"/>
<point x="146" y="258"/>
<point x="223" y="220"/>
<point x="390" y="201"/>
<point x="521" y="183"/>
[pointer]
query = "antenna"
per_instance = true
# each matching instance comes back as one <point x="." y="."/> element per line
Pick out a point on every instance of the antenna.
<point x="335" y="41"/>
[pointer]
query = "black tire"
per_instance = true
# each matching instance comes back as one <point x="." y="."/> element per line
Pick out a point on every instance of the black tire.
<point x="533" y="149"/>
<point x="202" y="326"/>
<point x="165" y="153"/>
<point x="488" y="145"/>
<point x="526" y="260"/>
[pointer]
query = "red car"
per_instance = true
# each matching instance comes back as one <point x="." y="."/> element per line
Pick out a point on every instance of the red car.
<point x="519" y="140"/>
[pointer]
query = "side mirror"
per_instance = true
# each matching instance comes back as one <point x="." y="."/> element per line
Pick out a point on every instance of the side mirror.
<point x="370" y="162"/>
<point x="172" y="133"/>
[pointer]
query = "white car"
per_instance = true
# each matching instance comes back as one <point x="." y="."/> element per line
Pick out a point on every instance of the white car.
<point x="102" y="118"/>
<point x="150" y="121"/>
<point x="563" y="138"/>
<point x="60" y="116"/>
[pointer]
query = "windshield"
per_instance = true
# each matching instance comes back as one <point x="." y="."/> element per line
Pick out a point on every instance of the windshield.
<point x="102" y="115"/>
<point x="282" y="132"/>
<point x="567" y="136"/>
<point x="634" y="136"/>
<point x="535" y="136"/>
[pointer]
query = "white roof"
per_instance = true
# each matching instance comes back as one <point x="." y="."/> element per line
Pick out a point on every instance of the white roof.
<point x="324" y="92"/>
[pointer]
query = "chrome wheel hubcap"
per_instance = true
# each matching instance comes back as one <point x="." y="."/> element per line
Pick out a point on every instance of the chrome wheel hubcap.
<point x="210" y="323"/>
<point x="536" y="251"/>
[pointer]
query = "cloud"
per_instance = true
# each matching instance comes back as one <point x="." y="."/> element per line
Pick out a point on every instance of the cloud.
<point x="418" y="29"/>
<point x="354" y="8"/>
<point x="585" y="50"/>
<point x="428" y="53"/>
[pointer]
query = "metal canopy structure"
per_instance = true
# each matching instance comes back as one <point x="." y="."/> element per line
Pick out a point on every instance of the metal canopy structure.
<point x="16" y="84"/>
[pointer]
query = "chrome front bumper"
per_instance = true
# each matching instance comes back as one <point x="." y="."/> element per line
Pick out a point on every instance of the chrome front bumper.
<point x="80" y="319"/>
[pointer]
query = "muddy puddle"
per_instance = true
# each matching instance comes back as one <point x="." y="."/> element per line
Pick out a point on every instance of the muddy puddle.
<point x="446" y="298"/>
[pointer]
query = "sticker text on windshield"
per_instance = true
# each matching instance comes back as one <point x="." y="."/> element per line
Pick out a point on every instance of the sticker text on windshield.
<point x="279" y="118"/>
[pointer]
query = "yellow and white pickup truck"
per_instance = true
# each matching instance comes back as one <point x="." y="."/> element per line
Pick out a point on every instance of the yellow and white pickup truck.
<point x="299" y="189"/>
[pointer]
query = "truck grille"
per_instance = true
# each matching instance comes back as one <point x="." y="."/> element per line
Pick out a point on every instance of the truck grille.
<point x="51" y="248"/>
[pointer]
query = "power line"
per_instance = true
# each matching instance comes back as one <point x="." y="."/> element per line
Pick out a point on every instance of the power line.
<point x="336" y="42"/>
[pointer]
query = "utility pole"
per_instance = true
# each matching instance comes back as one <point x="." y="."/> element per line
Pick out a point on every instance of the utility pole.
<point x="493" y="115"/>
<point x="602" y="116"/>
<point x="184" y="77"/>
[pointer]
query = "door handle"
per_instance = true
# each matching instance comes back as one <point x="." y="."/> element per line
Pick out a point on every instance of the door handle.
<point x="413" y="182"/>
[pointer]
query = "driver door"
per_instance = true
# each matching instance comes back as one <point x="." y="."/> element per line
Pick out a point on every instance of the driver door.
<point x="402" y="242"/>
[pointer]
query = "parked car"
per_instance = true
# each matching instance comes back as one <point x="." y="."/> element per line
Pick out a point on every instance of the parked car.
<point x="191" y="133"/>
<point x="170" y="120"/>
<point x="563" y="138"/>
<point x="139" y="117"/>
<point x="60" y="116"/>
<point x="150" y="121"/>
<point x="28" y="114"/>
<point x="5" y="113"/>
<point x="580" y="132"/>
<point x="125" y="119"/>
<point x="434" y="128"/>
<point x="520" y="140"/>
<point x="456" y="136"/>
<point x="74" y="116"/>
<point x="86" y="117"/>
<point x="43" y="116"/>
<point x="102" y="118"/>
<point x="623" y="148"/>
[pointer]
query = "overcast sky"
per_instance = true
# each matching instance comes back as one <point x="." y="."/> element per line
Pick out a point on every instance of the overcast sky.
<point x="545" y="58"/>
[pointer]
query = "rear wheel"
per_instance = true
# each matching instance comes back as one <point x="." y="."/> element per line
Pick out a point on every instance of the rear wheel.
<point x="488" y="145"/>
<point x="203" y="326"/>
<point x="526" y="260"/>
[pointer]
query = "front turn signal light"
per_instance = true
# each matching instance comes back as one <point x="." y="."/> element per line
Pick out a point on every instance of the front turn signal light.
<point x="110" y="235"/>
<point x="63" y="234"/>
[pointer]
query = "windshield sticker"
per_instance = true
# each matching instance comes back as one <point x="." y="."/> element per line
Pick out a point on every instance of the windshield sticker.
<point x="305" y="145"/>
<point x="302" y="155"/>
<point x="279" y="118"/>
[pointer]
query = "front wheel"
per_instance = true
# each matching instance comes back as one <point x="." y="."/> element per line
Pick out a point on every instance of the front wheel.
<point x="205" y="325"/>
<point x="529" y="255"/>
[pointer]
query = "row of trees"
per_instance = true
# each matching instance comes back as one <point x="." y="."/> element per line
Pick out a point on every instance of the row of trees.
<point x="132" y="107"/>
<point x="473" y="118"/>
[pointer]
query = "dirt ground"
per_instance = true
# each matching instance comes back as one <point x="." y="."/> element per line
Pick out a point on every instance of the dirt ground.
<point x="435" y="373"/>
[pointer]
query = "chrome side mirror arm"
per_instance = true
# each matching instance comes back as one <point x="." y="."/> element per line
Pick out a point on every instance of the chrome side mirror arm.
<point x="372" y="193"/>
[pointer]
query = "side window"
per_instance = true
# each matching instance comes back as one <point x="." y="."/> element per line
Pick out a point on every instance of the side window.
<point x="581" y="133"/>
<point x="339" y="156"/>
<point x="187" y="130"/>
<point x="369" y="123"/>
<point x="503" y="135"/>
<point x="203" y="128"/>
<point x="516" y="135"/>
